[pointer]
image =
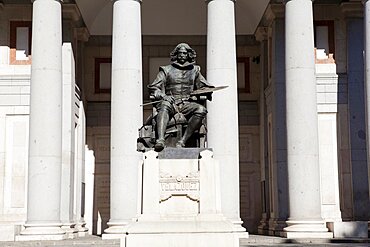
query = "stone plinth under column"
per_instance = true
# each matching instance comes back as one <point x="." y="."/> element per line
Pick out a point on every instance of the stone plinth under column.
<point x="41" y="232"/>
<point x="180" y="202"/>
<point x="306" y="229"/>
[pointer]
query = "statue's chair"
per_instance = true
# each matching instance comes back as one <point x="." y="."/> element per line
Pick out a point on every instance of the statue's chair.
<point x="175" y="130"/>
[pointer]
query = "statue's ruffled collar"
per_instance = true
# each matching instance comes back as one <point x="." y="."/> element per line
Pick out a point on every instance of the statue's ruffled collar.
<point x="185" y="66"/>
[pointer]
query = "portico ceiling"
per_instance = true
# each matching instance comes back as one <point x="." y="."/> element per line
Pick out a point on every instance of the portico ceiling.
<point x="171" y="17"/>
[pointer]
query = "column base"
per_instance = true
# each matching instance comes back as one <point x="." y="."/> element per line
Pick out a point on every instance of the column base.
<point x="239" y="230"/>
<point x="39" y="232"/>
<point x="70" y="230"/>
<point x="115" y="230"/>
<point x="276" y="227"/>
<point x="306" y="229"/>
<point x="82" y="231"/>
<point x="263" y="228"/>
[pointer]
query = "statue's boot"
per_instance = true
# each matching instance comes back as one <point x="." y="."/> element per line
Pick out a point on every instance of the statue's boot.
<point x="194" y="124"/>
<point x="162" y="120"/>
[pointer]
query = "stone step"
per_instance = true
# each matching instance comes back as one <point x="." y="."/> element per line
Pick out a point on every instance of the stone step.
<point x="253" y="240"/>
<point x="87" y="241"/>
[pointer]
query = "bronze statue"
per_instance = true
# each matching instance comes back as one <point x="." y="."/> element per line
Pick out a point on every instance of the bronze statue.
<point x="173" y="87"/>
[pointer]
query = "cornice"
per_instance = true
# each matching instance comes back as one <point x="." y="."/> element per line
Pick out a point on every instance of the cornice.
<point x="71" y="12"/>
<point x="272" y="12"/>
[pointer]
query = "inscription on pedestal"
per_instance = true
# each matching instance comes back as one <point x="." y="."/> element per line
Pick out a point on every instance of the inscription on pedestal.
<point x="179" y="186"/>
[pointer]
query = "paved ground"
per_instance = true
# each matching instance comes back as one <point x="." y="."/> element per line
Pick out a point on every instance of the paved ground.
<point x="253" y="240"/>
<point x="257" y="240"/>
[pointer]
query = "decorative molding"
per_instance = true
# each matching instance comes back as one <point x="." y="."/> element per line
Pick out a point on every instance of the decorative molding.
<point x="188" y="186"/>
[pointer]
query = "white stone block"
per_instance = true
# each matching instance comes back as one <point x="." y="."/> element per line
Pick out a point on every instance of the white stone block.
<point x="331" y="88"/>
<point x="320" y="88"/>
<point x="321" y="98"/>
<point x="296" y="235"/>
<point x="352" y="229"/>
<point x="331" y="98"/>
<point x="327" y="108"/>
<point x="4" y="55"/>
<point x="10" y="100"/>
<point x="328" y="68"/>
<point x="7" y="232"/>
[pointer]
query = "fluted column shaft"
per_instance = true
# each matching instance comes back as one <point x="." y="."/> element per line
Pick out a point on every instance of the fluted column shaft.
<point x="126" y="113"/>
<point x="222" y="122"/>
<point x="45" y="142"/>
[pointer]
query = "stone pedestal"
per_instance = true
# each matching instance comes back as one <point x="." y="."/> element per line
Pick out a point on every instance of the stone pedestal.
<point x="180" y="202"/>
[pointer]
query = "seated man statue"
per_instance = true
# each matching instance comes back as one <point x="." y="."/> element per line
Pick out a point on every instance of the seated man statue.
<point x="173" y="87"/>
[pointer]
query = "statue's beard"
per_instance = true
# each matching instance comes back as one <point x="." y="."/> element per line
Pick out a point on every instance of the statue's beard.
<point x="185" y="64"/>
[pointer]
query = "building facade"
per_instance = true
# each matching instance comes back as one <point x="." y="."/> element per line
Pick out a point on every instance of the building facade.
<point x="73" y="74"/>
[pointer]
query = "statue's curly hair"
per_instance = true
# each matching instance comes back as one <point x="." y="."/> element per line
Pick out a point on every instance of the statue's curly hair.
<point x="191" y="52"/>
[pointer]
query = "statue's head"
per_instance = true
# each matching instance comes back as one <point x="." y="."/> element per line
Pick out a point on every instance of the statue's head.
<point x="183" y="53"/>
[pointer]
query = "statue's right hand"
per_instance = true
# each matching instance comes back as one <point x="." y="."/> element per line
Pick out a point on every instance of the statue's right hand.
<point x="169" y="98"/>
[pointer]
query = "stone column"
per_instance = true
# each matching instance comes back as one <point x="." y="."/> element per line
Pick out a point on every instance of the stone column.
<point x="80" y="198"/>
<point x="45" y="142"/>
<point x="222" y="122"/>
<point x="357" y="100"/>
<point x="126" y="114"/>
<point x="302" y="125"/>
<point x="262" y="37"/>
<point x="68" y="141"/>
<point x="367" y="85"/>
<point x="277" y="129"/>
